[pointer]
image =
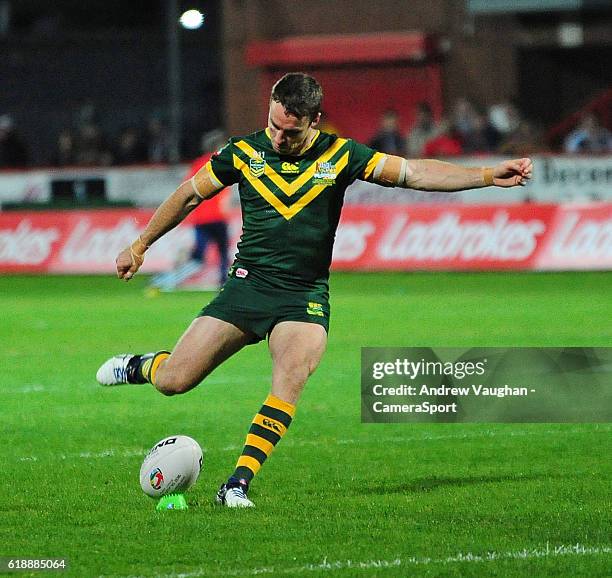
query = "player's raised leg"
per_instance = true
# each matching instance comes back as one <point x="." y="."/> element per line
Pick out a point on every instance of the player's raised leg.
<point x="296" y="348"/>
<point x="205" y="345"/>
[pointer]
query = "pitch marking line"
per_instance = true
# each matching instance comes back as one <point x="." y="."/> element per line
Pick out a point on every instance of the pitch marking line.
<point x="133" y="452"/>
<point x="25" y="388"/>
<point x="108" y="453"/>
<point x="547" y="551"/>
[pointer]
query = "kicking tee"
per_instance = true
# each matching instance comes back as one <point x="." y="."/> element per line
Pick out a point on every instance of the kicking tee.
<point x="290" y="204"/>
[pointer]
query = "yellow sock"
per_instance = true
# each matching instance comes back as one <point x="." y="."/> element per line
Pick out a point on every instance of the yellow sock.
<point x="150" y="364"/>
<point x="268" y="427"/>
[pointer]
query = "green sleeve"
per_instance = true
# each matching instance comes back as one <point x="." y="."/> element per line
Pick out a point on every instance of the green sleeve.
<point x="362" y="161"/>
<point x="222" y="165"/>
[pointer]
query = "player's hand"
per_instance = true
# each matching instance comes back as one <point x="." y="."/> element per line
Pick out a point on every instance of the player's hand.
<point x="512" y="173"/>
<point x="130" y="260"/>
<point x="127" y="264"/>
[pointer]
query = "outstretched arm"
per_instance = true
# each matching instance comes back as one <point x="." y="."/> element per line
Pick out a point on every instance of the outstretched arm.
<point x="433" y="175"/>
<point x="168" y="215"/>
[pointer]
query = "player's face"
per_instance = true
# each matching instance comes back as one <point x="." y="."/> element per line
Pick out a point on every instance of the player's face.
<point x="289" y="134"/>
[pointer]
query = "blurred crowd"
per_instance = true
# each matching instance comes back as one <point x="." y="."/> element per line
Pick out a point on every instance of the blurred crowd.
<point x="88" y="145"/>
<point x="465" y="130"/>
<point x="85" y="144"/>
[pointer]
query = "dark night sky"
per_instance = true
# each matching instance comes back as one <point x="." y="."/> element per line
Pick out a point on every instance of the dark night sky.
<point x="59" y="54"/>
<point x="33" y="16"/>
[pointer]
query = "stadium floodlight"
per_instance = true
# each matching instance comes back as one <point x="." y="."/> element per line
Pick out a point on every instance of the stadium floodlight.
<point x="191" y="19"/>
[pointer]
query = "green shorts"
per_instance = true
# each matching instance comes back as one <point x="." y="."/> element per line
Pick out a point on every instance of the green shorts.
<point x="257" y="309"/>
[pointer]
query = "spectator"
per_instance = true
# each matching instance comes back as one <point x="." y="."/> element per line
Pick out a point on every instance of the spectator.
<point x="158" y="142"/>
<point x="589" y="137"/>
<point x="483" y="137"/>
<point x="64" y="153"/>
<point x="504" y="118"/>
<point x="446" y="144"/>
<point x="85" y="113"/>
<point x="90" y="146"/>
<point x="525" y="140"/>
<point x="463" y="118"/>
<point x="423" y="130"/>
<point x="130" y="149"/>
<point x="13" y="152"/>
<point x="388" y="139"/>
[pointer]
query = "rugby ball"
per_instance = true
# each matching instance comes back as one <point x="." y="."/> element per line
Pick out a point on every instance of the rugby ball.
<point x="171" y="466"/>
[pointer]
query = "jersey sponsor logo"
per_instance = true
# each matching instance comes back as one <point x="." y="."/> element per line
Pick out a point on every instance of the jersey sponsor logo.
<point x="241" y="273"/>
<point x="257" y="165"/>
<point x="315" y="309"/>
<point x="273" y="425"/>
<point x="325" y="174"/>
<point x="288" y="168"/>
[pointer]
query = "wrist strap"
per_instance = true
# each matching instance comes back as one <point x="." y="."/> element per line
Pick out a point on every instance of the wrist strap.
<point x="487" y="176"/>
<point x="138" y="248"/>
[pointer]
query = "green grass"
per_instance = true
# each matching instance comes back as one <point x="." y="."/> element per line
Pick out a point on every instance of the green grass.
<point x="337" y="497"/>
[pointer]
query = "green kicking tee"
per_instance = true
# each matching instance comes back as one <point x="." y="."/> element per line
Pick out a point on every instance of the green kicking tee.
<point x="290" y="204"/>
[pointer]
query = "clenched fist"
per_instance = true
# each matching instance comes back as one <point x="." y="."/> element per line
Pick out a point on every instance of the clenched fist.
<point x="130" y="259"/>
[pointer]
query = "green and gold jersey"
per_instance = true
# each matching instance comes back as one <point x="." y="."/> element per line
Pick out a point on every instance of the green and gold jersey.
<point x="290" y="204"/>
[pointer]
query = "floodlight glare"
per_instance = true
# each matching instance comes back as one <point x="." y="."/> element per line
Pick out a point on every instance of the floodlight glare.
<point x="191" y="19"/>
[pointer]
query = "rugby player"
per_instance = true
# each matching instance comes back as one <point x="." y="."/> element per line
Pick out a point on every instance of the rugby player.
<point x="292" y="178"/>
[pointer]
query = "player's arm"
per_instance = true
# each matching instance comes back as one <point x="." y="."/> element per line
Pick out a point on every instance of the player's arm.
<point x="203" y="185"/>
<point x="434" y="175"/>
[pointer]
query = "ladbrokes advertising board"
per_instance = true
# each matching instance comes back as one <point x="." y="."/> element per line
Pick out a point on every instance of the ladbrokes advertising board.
<point x="476" y="237"/>
<point x="444" y="237"/>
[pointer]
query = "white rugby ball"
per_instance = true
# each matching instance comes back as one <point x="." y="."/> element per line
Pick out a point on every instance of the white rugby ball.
<point x="173" y="465"/>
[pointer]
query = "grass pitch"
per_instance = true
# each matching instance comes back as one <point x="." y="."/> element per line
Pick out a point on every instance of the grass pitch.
<point x="337" y="498"/>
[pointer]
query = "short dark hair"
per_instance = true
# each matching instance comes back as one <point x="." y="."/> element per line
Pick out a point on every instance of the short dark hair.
<point x="299" y="93"/>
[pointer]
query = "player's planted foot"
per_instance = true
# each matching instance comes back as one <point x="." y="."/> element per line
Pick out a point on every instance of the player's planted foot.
<point x="233" y="494"/>
<point x="118" y="370"/>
